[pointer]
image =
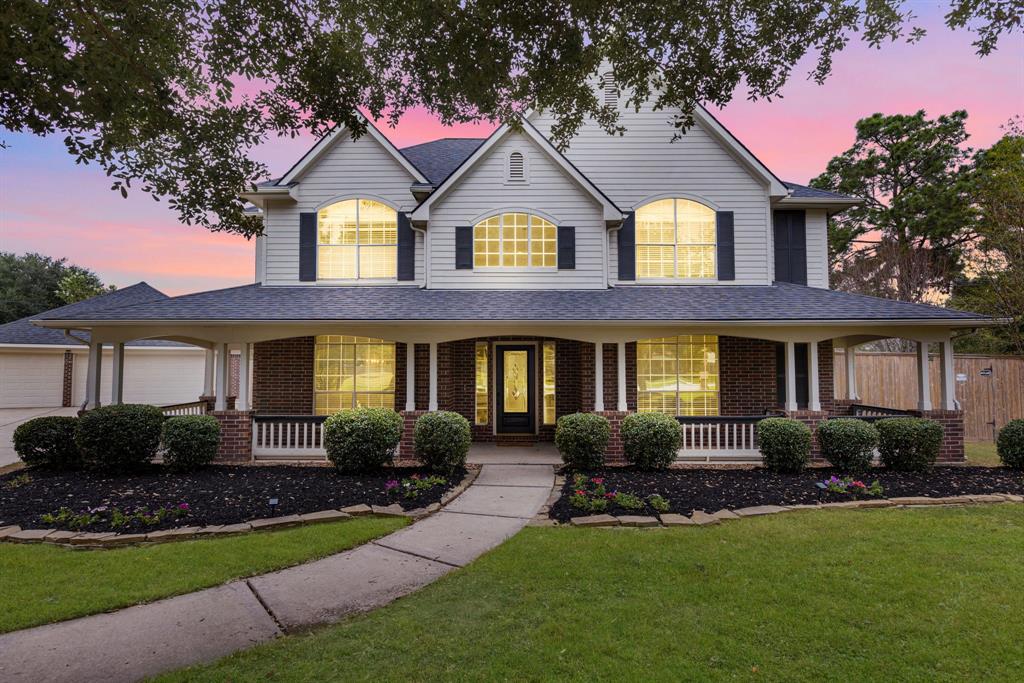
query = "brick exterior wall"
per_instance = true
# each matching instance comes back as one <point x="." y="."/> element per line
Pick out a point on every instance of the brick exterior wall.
<point x="282" y="376"/>
<point x="952" y="421"/>
<point x="235" y="436"/>
<point x="615" y="454"/>
<point x="422" y="369"/>
<point x="746" y="376"/>
<point x="406" y="448"/>
<point x="826" y="368"/>
<point x="68" y="380"/>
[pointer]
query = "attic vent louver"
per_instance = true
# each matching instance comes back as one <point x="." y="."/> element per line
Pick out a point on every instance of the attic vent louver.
<point x="516" y="166"/>
<point x="611" y="92"/>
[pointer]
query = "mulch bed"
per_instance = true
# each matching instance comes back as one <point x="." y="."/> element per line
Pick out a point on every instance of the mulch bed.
<point x="215" y="495"/>
<point x="714" y="489"/>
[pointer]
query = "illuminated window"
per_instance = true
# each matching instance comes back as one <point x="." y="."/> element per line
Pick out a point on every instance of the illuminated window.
<point x="678" y="375"/>
<point x="675" y="238"/>
<point x="481" y="383"/>
<point x="357" y="239"/>
<point x="549" y="383"/>
<point x="352" y="372"/>
<point x="515" y="240"/>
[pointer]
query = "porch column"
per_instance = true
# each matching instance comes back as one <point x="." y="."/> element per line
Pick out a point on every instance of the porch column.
<point x="791" y="376"/>
<point x="948" y="380"/>
<point x="851" y="373"/>
<point x="208" y="373"/>
<point x="598" y="377"/>
<point x="410" y="376"/>
<point x="117" y="375"/>
<point x="622" y="407"/>
<point x="433" y="376"/>
<point x="93" y="375"/>
<point x="924" y="390"/>
<point x="813" y="383"/>
<point x="223" y="370"/>
<point x="242" y="400"/>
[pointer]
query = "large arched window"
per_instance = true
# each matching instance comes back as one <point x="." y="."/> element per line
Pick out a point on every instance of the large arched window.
<point x="675" y="238"/>
<point x="357" y="239"/>
<point x="515" y="240"/>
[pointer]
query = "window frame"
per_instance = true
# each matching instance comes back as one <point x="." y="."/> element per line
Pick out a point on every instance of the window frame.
<point x="355" y="342"/>
<point x="481" y="410"/>
<point x="678" y="341"/>
<point x="358" y="279"/>
<point x="509" y="180"/>
<point x="676" y="244"/>
<point x="529" y="244"/>
<point x="549" y="382"/>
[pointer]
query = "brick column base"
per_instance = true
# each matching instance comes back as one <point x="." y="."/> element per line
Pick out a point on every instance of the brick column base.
<point x="211" y="402"/>
<point x="615" y="454"/>
<point x="952" y="421"/>
<point x="235" y="436"/>
<point x="811" y="418"/>
<point x="69" y="375"/>
<point x="406" y="449"/>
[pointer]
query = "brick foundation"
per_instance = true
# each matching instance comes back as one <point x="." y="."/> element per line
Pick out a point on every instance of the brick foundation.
<point x="235" y="436"/>
<point x="812" y="419"/>
<point x="952" y="421"/>
<point x="615" y="454"/>
<point x="406" y="447"/>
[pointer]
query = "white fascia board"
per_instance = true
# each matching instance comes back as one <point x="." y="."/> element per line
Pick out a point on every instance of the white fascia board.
<point x="818" y="203"/>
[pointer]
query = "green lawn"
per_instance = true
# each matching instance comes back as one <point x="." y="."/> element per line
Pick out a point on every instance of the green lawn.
<point x="45" y="583"/>
<point x="982" y="453"/>
<point x="883" y="595"/>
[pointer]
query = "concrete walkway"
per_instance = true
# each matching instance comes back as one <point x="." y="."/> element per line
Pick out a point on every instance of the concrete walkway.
<point x="147" y="640"/>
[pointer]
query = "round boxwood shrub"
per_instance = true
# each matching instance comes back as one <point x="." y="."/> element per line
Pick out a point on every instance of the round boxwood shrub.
<point x="120" y="437"/>
<point x="785" y="444"/>
<point x="651" y="440"/>
<point x="48" y="441"/>
<point x="190" y="441"/>
<point x="442" y="440"/>
<point x="582" y="438"/>
<point x="363" y="439"/>
<point x="909" y="444"/>
<point x="1010" y="444"/>
<point x="849" y="444"/>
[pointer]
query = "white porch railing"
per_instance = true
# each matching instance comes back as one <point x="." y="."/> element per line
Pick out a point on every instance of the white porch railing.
<point x="711" y="439"/>
<point x="193" y="408"/>
<point x="290" y="437"/>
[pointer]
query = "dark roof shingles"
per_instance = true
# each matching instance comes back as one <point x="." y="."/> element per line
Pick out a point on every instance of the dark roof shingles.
<point x="798" y="191"/>
<point x="438" y="158"/>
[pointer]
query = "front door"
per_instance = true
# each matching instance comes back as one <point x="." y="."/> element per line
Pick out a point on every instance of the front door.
<point x="516" y="380"/>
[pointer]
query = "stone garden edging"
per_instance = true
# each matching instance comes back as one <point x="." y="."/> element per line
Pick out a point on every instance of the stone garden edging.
<point x="86" y="540"/>
<point x="701" y="518"/>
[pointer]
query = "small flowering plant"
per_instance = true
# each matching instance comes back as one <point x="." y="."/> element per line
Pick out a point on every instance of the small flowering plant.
<point x="117" y="518"/>
<point x="850" y="487"/>
<point x="410" y="488"/>
<point x="590" y="494"/>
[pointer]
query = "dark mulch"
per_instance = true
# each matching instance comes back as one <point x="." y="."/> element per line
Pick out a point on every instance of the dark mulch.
<point x="215" y="495"/>
<point x="714" y="489"/>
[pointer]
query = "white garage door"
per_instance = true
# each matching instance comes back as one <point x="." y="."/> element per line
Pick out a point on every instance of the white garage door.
<point x="31" y="380"/>
<point x="156" y="376"/>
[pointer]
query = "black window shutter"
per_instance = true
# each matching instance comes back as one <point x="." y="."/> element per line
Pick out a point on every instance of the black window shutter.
<point x="307" y="247"/>
<point x="406" y="249"/>
<point x="790" y="232"/>
<point x="726" y="245"/>
<point x="566" y="247"/>
<point x="627" y="248"/>
<point x="464" y="247"/>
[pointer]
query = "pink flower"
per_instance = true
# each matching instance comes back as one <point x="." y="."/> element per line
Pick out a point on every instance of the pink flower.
<point x="391" y="485"/>
<point x="580" y="492"/>
<point x="183" y="506"/>
<point x="597" y="480"/>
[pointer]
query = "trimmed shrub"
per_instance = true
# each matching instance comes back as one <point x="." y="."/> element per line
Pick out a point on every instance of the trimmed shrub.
<point x="785" y="444"/>
<point x="1009" y="445"/>
<point x="363" y="439"/>
<point x="120" y="437"/>
<point x="651" y="440"/>
<point x="849" y="444"/>
<point x="909" y="444"/>
<point x="48" y="441"/>
<point x="581" y="439"/>
<point x="442" y="440"/>
<point x="190" y="441"/>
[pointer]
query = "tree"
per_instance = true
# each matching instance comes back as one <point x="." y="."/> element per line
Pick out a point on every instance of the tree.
<point x="907" y="240"/>
<point x="172" y="95"/>
<point x="32" y="283"/>
<point x="995" y="276"/>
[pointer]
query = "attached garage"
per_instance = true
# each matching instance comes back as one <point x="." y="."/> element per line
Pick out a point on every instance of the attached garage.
<point x="155" y="375"/>
<point x="31" y="379"/>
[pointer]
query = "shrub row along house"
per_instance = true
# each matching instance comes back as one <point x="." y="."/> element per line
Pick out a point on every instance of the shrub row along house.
<point x="514" y="283"/>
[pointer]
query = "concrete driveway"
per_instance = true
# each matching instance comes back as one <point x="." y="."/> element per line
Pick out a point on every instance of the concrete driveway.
<point x="10" y="418"/>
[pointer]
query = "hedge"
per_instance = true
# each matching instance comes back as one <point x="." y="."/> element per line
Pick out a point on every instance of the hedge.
<point x="651" y="440"/>
<point x="190" y="441"/>
<point x="441" y="439"/>
<point x="48" y="441"/>
<point x="848" y="443"/>
<point x="909" y="444"/>
<point x="119" y="437"/>
<point x="785" y="444"/>
<point x="581" y="439"/>
<point x="1010" y="444"/>
<point x="362" y="440"/>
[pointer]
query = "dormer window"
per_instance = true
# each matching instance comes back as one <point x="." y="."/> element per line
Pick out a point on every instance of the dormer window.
<point x="517" y="167"/>
<point x="357" y="239"/>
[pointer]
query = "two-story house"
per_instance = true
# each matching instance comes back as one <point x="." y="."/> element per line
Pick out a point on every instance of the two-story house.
<point x="513" y="283"/>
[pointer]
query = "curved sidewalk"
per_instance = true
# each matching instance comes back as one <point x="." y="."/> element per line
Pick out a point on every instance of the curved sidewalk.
<point x="147" y="640"/>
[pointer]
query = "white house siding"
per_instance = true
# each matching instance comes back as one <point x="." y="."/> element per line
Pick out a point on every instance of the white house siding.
<point x="817" y="248"/>
<point x="158" y="376"/>
<point x="31" y="379"/>
<point x="645" y="163"/>
<point x="549" y="192"/>
<point x="350" y="168"/>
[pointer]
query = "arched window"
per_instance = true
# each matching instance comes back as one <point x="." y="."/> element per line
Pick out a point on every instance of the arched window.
<point x="675" y="238"/>
<point x="357" y="239"/>
<point x="515" y="240"/>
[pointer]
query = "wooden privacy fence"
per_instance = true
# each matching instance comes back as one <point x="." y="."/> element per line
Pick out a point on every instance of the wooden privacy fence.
<point x="990" y="388"/>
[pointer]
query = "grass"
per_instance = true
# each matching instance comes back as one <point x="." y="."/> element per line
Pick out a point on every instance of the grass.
<point x="46" y="583"/>
<point x="899" y="594"/>
<point x="982" y="453"/>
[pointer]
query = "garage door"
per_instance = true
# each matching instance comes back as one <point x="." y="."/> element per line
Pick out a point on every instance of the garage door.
<point x="159" y="377"/>
<point x="31" y="380"/>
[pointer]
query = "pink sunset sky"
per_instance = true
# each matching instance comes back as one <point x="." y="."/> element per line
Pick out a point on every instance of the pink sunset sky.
<point x="53" y="206"/>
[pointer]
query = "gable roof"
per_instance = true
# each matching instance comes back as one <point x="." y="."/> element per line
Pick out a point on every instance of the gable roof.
<point x="24" y="332"/>
<point x="611" y="211"/>
<point x="438" y="158"/>
<point x="806" y="192"/>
